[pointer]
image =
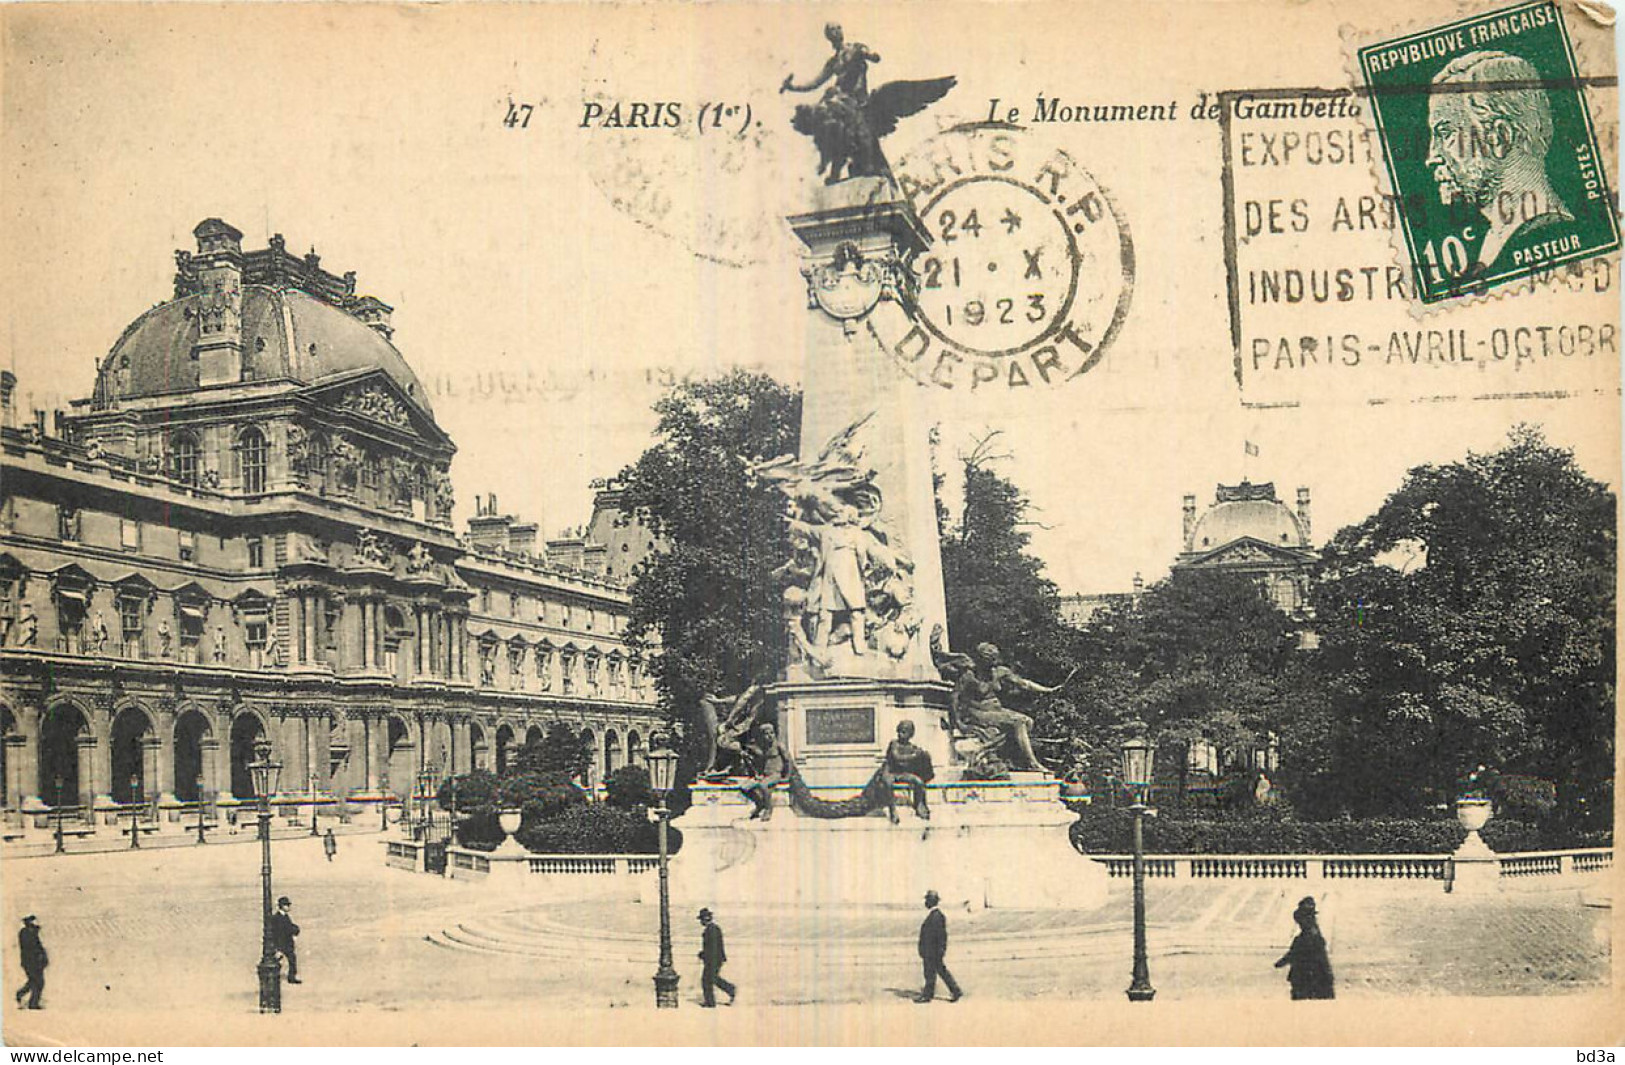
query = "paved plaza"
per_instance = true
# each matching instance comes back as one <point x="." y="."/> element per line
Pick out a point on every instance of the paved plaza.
<point x="177" y="930"/>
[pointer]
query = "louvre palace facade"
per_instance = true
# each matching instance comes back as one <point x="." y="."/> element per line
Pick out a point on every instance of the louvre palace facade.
<point x="245" y="532"/>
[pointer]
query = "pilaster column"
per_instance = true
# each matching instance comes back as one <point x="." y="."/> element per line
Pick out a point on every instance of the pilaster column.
<point x="165" y="741"/>
<point x="209" y="751"/>
<point x="312" y="769"/>
<point x="26" y="756"/>
<point x="362" y="611"/>
<point x="417" y="639"/>
<point x="151" y="746"/>
<point x="373" y="726"/>
<point x="312" y="654"/>
<point x="14" y="744"/>
<point x="296" y="626"/>
<point x="85" y="748"/>
<point x="378" y="633"/>
<point x="318" y="628"/>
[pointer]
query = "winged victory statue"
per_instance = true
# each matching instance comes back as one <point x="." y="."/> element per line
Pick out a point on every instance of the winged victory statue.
<point x="848" y="121"/>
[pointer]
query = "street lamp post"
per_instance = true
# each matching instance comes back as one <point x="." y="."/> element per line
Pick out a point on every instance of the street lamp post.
<point x="265" y="774"/>
<point x="135" y="812"/>
<point x="1138" y="759"/>
<point x="202" y="805"/>
<point x="61" y="847"/>
<point x="662" y="774"/>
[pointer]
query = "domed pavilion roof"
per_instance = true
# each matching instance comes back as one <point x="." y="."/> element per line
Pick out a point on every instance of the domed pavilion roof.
<point x="1247" y="511"/>
<point x="286" y="334"/>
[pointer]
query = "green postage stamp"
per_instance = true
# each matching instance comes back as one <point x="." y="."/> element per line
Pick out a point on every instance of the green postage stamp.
<point x="1491" y="150"/>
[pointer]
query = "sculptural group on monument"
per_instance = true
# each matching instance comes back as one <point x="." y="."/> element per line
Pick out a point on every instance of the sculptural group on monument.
<point x="848" y="585"/>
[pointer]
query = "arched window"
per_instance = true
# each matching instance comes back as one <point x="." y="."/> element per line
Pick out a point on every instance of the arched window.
<point x="184" y="458"/>
<point x="251" y="460"/>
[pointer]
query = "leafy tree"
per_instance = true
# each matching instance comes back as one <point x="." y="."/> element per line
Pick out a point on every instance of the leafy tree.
<point x="1204" y="656"/>
<point x="709" y="599"/>
<point x="996" y="592"/>
<point x="628" y="787"/>
<point x="1471" y="620"/>
<point x="995" y="587"/>
<point x="560" y="751"/>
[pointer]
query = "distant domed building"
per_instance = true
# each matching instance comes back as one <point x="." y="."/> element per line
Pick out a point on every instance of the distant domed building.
<point x="1248" y="530"/>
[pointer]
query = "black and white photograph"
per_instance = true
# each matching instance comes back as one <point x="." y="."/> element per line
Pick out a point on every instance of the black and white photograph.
<point x="790" y="524"/>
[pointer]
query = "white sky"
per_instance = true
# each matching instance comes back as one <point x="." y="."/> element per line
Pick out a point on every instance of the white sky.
<point x="541" y="316"/>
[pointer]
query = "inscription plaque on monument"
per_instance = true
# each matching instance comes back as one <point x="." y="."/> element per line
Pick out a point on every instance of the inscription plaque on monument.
<point x="844" y="724"/>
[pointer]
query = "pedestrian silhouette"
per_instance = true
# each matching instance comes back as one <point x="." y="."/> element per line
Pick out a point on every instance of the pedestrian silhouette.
<point x="330" y="845"/>
<point x="282" y="932"/>
<point x="933" y="949"/>
<point x="1309" y="969"/>
<point x="712" y="956"/>
<point x="34" y="962"/>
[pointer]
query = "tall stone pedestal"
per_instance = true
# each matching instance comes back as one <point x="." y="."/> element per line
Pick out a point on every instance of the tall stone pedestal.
<point x="861" y="493"/>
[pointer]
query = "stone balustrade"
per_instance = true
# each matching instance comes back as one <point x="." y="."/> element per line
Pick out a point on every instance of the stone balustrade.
<point x="1410" y="867"/>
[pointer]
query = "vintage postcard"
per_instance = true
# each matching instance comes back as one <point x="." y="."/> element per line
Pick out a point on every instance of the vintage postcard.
<point x="760" y="524"/>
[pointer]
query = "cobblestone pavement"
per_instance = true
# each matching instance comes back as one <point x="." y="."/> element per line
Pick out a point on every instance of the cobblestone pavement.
<point x="179" y="930"/>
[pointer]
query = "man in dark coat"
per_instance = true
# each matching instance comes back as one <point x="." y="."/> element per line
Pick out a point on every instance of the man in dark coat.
<point x="282" y="932"/>
<point x="712" y="955"/>
<point x="933" y="949"/>
<point x="1309" y="969"/>
<point x="34" y="962"/>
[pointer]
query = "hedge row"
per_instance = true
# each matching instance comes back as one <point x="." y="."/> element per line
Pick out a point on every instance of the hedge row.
<point x="595" y="828"/>
<point x="1101" y="830"/>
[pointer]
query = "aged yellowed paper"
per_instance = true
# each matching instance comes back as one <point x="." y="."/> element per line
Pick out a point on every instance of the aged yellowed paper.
<point x="866" y="524"/>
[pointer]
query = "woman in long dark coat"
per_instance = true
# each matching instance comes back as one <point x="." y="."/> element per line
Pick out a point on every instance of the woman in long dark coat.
<point x="1309" y="969"/>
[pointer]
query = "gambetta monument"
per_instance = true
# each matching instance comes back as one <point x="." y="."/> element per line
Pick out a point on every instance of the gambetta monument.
<point x="799" y="801"/>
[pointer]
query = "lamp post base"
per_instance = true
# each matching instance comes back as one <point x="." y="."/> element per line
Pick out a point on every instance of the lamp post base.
<point x="666" y="989"/>
<point x="1142" y="994"/>
<point x="270" y="972"/>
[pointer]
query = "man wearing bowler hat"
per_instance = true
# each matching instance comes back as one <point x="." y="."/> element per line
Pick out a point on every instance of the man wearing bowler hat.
<point x="933" y="949"/>
<point x="712" y="955"/>
<point x="34" y="962"/>
<point x="282" y="932"/>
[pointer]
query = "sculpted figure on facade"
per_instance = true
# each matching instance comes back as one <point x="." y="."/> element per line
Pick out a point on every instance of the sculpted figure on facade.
<point x="345" y="459"/>
<point x="370" y="548"/>
<point x="303" y="547"/>
<point x="418" y="560"/>
<point x="375" y="403"/>
<point x="444" y="498"/>
<point x="298" y="448"/>
<point x="849" y="583"/>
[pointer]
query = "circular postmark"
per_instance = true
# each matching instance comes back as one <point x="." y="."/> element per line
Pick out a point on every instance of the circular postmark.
<point x="1031" y="268"/>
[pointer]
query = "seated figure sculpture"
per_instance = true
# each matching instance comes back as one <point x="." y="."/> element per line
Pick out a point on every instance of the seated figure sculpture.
<point x="977" y="713"/>
<point x="909" y="766"/>
<point x="771" y="764"/>
<point x="725" y="721"/>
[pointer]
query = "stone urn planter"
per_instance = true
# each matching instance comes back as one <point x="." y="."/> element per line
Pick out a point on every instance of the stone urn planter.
<point x="1473" y="814"/>
<point x="508" y="821"/>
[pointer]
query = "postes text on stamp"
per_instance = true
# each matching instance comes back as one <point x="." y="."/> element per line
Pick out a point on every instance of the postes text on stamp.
<point x="1490" y="148"/>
